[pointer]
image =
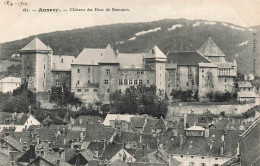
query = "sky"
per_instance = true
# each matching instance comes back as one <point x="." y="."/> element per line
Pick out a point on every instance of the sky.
<point x="16" y="24"/>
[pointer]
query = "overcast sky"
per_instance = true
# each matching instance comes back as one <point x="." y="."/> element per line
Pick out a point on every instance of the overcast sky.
<point x="16" y="24"/>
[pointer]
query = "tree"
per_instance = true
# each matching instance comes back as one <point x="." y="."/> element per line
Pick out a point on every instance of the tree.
<point x="184" y="96"/>
<point x="139" y="100"/>
<point x="62" y="96"/>
<point x="22" y="98"/>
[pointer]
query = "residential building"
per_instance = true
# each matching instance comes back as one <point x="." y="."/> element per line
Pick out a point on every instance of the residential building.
<point x="17" y="121"/>
<point x="8" y="84"/>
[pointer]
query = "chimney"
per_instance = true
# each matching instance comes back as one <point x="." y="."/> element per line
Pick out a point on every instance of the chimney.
<point x="222" y="144"/>
<point x="32" y="152"/>
<point x="71" y="120"/>
<point x="181" y="140"/>
<point x="238" y="149"/>
<point x="80" y="121"/>
<point x="141" y="139"/>
<point x="64" y="141"/>
<point x="97" y="152"/>
<point x="104" y="148"/>
<point x="206" y="133"/>
<point x="185" y="120"/>
<point x="194" y="123"/>
<point x="20" y="140"/>
<point x="42" y="152"/>
<point x="211" y="144"/>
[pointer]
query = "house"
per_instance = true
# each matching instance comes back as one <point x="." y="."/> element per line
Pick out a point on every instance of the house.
<point x="8" y="84"/>
<point x="112" y="118"/>
<point x="98" y="132"/>
<point x="200" y="146"/>
<point x="12" y="148"/>
<point x="85" y="157"/>
<point x="248" y="97"/>
<point x="115" y="152"/>
<point x="17" y="121"/>
<point x="84" y="120"/>
<point x="41" y="155"/>
<point x="245" y="86"/>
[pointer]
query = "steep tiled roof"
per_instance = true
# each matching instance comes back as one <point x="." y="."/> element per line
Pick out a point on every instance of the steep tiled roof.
<point x="151" y="122"/>
<point x="5" y="159"/>
<point x="71" y="135"/>
<point x="88" y="120"/>
<point x="146" y="140"/>
<point x="155" y="52"/>
<point x="209" y="48"/>
<point x="140" y="154"/>
<point x="89" y="56"/>
<point x="207" y="65"/>
<point x="11" y="79"/>
<point x="187" y="58"/>
<point x="111" y="150"/>
<point x="160" y="124"/>
<point x="62" y="62"/>
<point x="223" y="65"/>
<point x="25" y="136"/>
<point x="193" y="145"/>
<point x="13" y="142"/>
<point x="9" y="118"/>
<point x="46" y="134"/>
<point x="128" y="61"/>
<point x="109" y="56"/>
<point x="93" y="146"/>
<point x="191" y="119"/>
<point x="35" y="44"/>
<point x="98" y="132"/>
<point x="138" y="122"/>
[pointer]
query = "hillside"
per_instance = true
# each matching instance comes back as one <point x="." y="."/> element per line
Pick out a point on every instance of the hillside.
<point x="169" y="35"/>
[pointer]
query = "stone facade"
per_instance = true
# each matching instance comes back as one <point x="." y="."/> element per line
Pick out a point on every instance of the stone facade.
<point x="36" y="66"/>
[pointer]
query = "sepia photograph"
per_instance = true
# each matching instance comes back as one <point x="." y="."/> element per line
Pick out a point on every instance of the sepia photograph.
<point x="130" y="83"/>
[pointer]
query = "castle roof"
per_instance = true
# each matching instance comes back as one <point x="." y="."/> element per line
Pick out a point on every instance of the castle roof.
<point x="89" y="56"/>
<point x="224" y="65"/>
<point x="187" y="58"/>
<point x="155" y="52"/>
<point x="130" y="60"/>
<point x="36" y="44"/>
<point x="209" y="48"/>
<point x="109" y="56"/>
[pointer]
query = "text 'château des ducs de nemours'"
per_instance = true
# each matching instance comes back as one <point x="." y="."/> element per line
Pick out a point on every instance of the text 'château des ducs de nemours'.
<point x="83" y="9"/>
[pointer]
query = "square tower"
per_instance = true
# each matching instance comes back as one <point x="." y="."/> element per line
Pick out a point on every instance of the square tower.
<point x="156" y="59"/>
<point x="36" y="66"/>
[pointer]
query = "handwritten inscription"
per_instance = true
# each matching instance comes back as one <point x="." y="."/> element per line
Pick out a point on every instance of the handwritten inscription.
<point x="16" y="3"/>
